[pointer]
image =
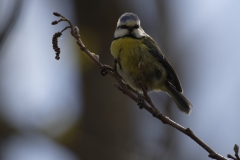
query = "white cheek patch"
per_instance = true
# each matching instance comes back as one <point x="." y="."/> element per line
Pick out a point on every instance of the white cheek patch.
<point x="120" y="32"/>
<point x="139" y="33"/>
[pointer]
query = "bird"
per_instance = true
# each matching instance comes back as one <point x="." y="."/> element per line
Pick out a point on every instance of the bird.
<point x="132" y="45"/>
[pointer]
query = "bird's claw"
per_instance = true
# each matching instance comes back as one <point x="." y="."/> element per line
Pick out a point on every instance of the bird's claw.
<point x="104" y="69"/>
<point x="140" y="102"/>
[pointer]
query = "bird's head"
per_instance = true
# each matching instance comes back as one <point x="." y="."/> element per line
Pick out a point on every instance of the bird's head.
<point x="128" y="25"/>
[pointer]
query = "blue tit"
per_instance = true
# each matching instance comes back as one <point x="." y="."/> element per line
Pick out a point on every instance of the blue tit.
<point x="130" y="46"/>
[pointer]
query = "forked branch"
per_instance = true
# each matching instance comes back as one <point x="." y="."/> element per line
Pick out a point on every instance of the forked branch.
<point x="130" y="92"/>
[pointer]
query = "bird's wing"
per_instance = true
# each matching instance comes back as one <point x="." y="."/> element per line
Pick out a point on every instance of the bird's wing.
<point x="157" y="53"/>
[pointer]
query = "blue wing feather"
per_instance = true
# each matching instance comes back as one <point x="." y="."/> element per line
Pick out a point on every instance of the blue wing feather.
<point x="157" y="53"/>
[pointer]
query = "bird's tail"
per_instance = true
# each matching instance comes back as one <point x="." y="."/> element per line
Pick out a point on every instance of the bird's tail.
<point x="182" y="103"/>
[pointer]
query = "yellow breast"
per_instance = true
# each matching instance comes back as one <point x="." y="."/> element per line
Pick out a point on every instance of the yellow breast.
<point x="125" y="45"/>
<point x="129" y="52"/>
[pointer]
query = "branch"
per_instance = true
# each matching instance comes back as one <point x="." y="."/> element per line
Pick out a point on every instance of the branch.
<point x="236" y="150"/>
<point x="126" y="89"/>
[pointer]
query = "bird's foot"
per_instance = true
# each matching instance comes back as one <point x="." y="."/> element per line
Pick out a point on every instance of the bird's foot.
<point x="104" y="69"/>
<point x="140" y="102"/>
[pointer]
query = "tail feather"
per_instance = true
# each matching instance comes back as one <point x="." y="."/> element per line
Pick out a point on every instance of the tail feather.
<point x="182" y="103"/>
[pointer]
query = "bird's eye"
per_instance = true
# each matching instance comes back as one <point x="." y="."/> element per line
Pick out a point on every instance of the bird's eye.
<point x="123" y="27"/>
<point x="136" y="26"/>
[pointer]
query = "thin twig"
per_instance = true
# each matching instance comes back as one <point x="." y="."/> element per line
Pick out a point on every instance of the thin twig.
<point x="126" y="89"/>
<point x="230" y="156"/>
<point x="236" y="150"/>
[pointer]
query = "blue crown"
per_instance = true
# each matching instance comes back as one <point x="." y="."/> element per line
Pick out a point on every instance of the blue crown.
<point x="128" y="16"/>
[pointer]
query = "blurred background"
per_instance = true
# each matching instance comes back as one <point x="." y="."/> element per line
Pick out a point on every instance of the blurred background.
<point x="65" y="110"/>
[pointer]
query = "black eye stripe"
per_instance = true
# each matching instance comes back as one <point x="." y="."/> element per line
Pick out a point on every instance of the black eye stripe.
<point x="128" y="27"/>
<point x="124" y="27"/>
<point x="136" y="26"/>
